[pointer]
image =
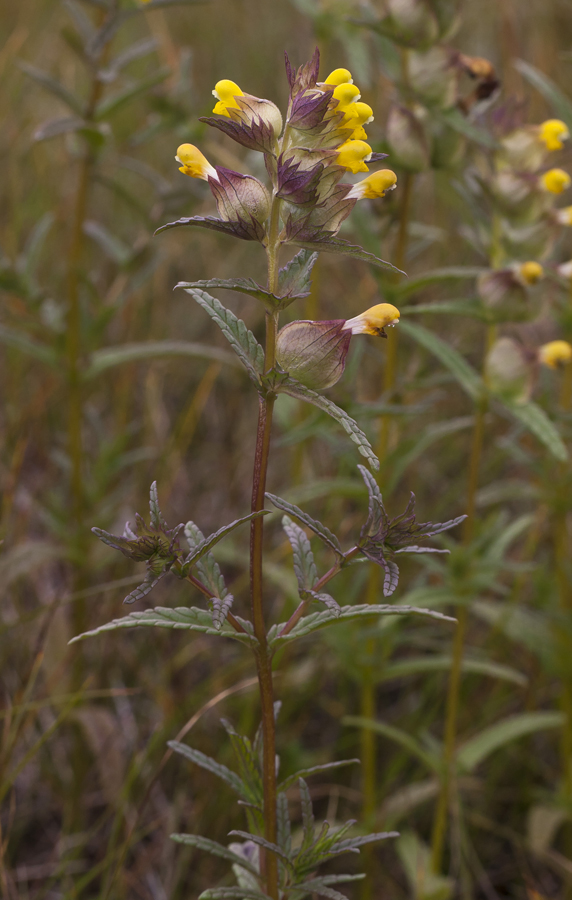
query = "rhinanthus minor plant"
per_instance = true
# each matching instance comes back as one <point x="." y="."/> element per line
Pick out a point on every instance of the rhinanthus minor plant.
<point x="307" y="153"/>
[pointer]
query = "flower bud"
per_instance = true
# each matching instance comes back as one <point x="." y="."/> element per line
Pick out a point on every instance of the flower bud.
<point x="314" y="353"/>
<point x="193" y="163"/>
<point x="552" y="133"/>
<point x="508" y="370"/>
<point x="407" y="140"/>
<point x="555" y="181"/>
<point x="555" y="354"/>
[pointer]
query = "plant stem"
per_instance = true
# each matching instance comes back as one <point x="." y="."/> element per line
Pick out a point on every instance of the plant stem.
<point x="268" y="861"/>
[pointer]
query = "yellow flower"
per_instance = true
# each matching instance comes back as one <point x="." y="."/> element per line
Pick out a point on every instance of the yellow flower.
<point x="564" y="215"/>
<point x="555" y="181"/>
<point x="357" y="115"/>
<point x="194" y="164"/>
<point x="338" y="76"/>
<point x="552" y="133"/>
<point x="375" y="185"/>
<point x="345" y="94"/>
<point x="555" y="353"/>
<point x="353" y="155"/>
<point x="530" y="272"/>
<point x="373" y="320"/>
<point x="226" y="91"/>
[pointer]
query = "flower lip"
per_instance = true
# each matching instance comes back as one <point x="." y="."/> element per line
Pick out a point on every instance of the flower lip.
<point x="194" y="163"/>
<point x="374" y="320"/>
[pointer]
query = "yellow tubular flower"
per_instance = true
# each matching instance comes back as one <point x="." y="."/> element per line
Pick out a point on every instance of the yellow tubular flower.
<point x="373" y="320"/>
<point x="345" y="94"/>
<point x="225" y="91"/>
<point x="375" y="185"/>
<point x="564" y="215"/>
<point x="356" y="116"/>
<point x="353" y="155"/>
<point x="552" y="133"/>
<point x="194" y="164"/>
<point x="531" y="272"/>
<point x="555" y="354"/>
<point x="339" y="76"/>
<point x="555" y="181"/>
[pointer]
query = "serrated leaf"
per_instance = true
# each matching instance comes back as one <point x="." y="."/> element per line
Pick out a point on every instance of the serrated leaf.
<point x="535" y="420"/>
<point x="157" y="519"/>
<point x="146" y="586"/>
<point x="181" y="617"/>
<point x="313" y="524"/>
<point x="202" y="548"/>
<point x="211" y="765"/>
<point x="301" y="392"/>
<point x="53" y="86"/>
<point x="109" y="357"/>
<point x="307" y="817"/>
<point x="220" y="609"/>
<point x="316" y="621"/>
<point x="335" y="245"/>
<point x="240" y="285"/>
<point x="390" y="578"/>
<point x="475" y="751"/>
<point x="414" y="549"/>
<point x="294" y="279"/>
<point x="400" y="737"/>
<point x="284" y="830"/>
<point x="215" y="849"/>
<point x="561" y="104"/>
<point x="360" y="841"/>
<point x="304" y="565"/>
<point x="244" y="231"/>
<point x="207" y="567"/>
<point x="376" y="510"/>
<point x="247" y="763"/>
<point x="235" y="331"/>
<point x="468" y="378"/>
<point x="327" y="600"/>
<point x="314" y="770"/>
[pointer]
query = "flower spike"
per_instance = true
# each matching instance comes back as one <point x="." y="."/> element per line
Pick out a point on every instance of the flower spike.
<point x="374" y="320"/>
<point x="552" y="133"/>
<point x="375" y="185"/>
<point x="194" y="163"/>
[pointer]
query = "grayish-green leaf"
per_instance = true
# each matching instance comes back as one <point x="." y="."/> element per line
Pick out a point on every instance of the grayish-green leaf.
<point x="235" y="331"/>
<point x="211" y="765"/>
<point x="203" y="547"/>
<point x="208" y="569"/>
<point x="53" y="86"/>
<point x="561" y="104"/>
<point x="304" y="565"/>
<point x="295" y="278"/>
<point x="435" y="276"/>
<point x="21" y="341"/>
<point x="301" y="392"/>
<point x="215" y="849"/>
<point x="115" y="102"/>
<point x="229" y="893"/>
<point x="54" y="127"/>
<point x="262" y="842"/>
<point x="314" y="770"/>
<point x="434" y="663"/>
<point x="313" y="524"/>
<point x="181" y="617"/>
<point x="335" y="245"/>
<point x="400" y="737"/>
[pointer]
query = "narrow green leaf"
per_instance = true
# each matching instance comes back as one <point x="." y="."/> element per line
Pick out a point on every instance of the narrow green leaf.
<point x="423" y="664"/>
<point x="53" y="86"/>
<point x="335" y="245"/>
<point x="284" y="836"/>
<point x="211" y="765"/>
<point x="225" y="893"/>
<point x="204" y="546"/>
<point x="262" y="842"/>
<point x="535" y="419"/>
<point x="115" y="102"/>
<point x="181" y="617"/>
<point x="235" y="331"/>
<point x="561" y="104"/>
<point x="458" y="122"/>
<point x="111" y="245"/>
<point x="240" y="285"/>
<point x="248" y="763"/>
<point x="215" y="849"/>
<point x="301" y="392"/>
<point x="400" y="737"/>
<point x="314" y="770"/>
<point x="317" y="886"/>
<point x="307" y="817"/>
<point x="435" y="276"/>
<point x="313" y="524"/>
<point x="109" y="357"/>
<point x="467" y="377"/>
<point x="476" y="750"/>
<point x="473" y="309"/>
<point x="316" y="621"/>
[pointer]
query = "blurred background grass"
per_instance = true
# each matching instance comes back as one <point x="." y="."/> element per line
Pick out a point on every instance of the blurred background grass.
<point x="88" y="800"/>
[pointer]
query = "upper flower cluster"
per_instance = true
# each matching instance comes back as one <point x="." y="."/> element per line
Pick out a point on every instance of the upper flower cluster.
<point x="307" y="153"/>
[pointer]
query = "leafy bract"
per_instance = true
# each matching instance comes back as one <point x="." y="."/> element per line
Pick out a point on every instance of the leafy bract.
<point x="247" y="231"/>
<point x="301" y="392"/>
<point x="294" y="279"/>
<point x="336" y="245"/>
